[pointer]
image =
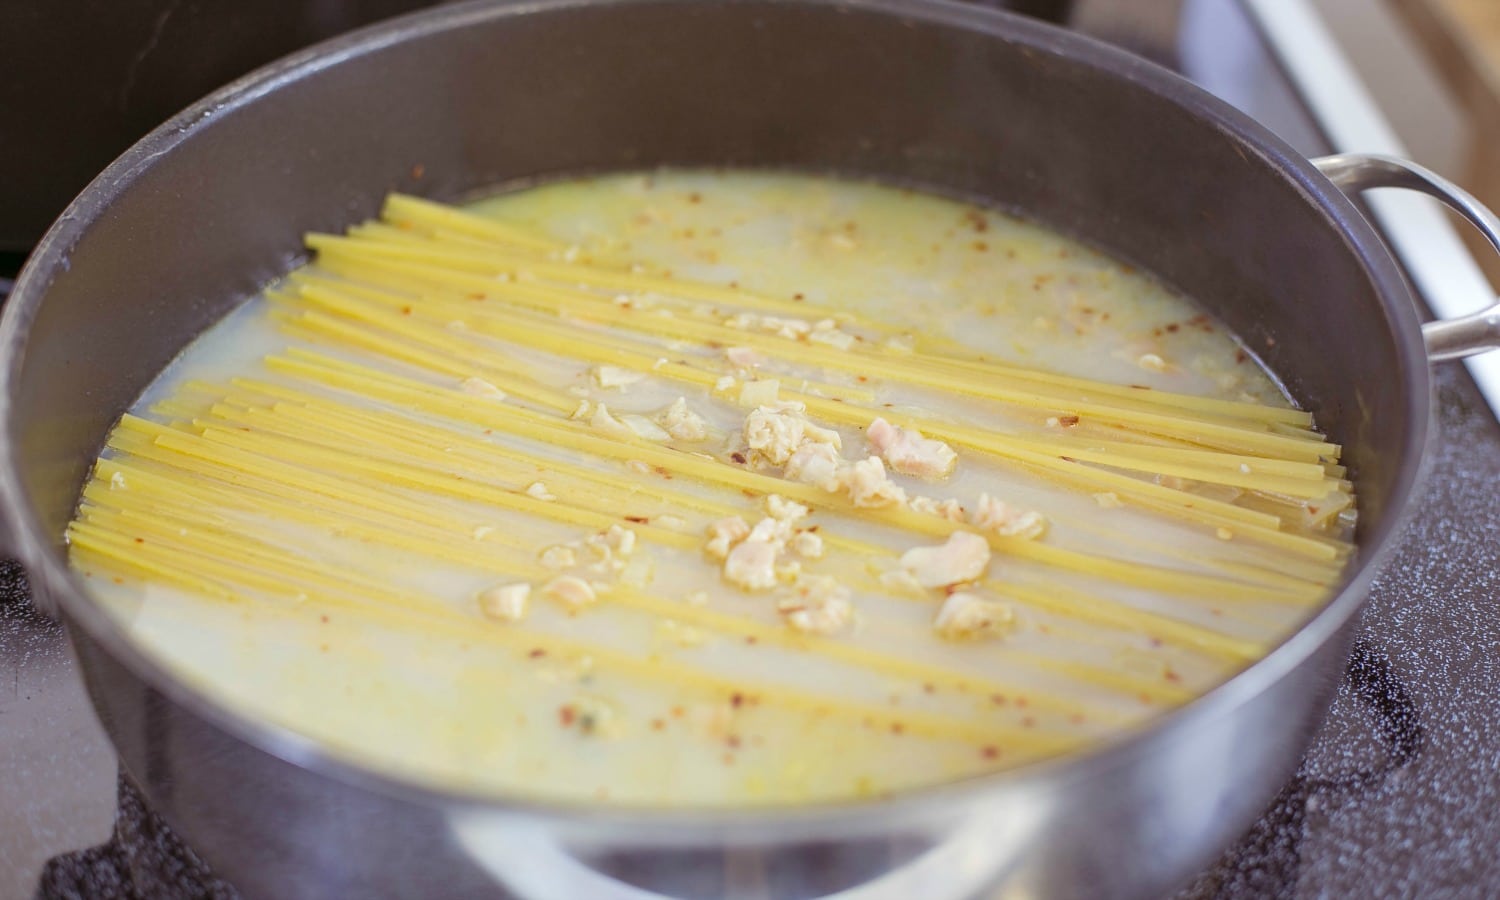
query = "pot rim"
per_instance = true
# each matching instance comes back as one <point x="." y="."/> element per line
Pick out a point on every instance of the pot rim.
<point x="48" y="566"/>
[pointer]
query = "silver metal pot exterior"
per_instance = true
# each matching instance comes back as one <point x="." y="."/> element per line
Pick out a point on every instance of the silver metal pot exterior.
<point x="1131" y="825"/>
<point x="1082" y="137"/>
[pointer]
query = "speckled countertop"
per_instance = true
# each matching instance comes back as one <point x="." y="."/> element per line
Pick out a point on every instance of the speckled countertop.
<point x="1399" y="795"/>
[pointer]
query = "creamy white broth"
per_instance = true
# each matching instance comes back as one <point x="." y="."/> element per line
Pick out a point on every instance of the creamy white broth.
<point x="678" y="687"/>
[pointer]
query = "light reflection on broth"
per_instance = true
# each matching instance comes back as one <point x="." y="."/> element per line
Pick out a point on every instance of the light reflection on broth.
<point x="711" y="489"/>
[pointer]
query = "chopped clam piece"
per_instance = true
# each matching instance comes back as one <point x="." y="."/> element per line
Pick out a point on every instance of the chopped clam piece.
<point x="782" y="509"/>
<point x="966" y="616"/>
<point x="813" y="463"/>
<point x="819" y="605"/>
<point x="775" y="532"/>
<point x="1003" y="519"/>
<point x="615" y="377"/>
<point x="900" y="581"/>
<point x="644" y="427"/>
<point x="506" y="602"/>
<point x="777" y="435"/>
<point x="827" y="331"/>
<point x="570" y="591"/>
<point x="808" y="545"/>
<point x="743" y="357"/>
<point x="682" y="423"/>
<point x="867" y="484"/>
<point x="964" y="557"/>
<point x="602" y="421"/>
<point x="751" y="564"/>
<point x="908" y="453"/>
<point x="558" y="557"/>
<point x="620" y="539"/>
<point x="761" y="393"/>
<point x="725" y="533"/>
<point x="478" y="387"/>
<point x="949" y="509"/>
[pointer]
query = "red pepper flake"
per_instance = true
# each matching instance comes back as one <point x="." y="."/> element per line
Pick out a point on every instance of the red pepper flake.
<point x="736" y="699"/>
<point x="1173" y="677"/>
<point x="406" y="310"/>
<point x="998" y="699"/>
<point x="728" y="759"/>
<point x="898" y="728"/>
<point x="1022" y="702"/>
<point x="323" y="619"/>
<point x="981" y="246"/>
<point x="678" y="712"/>
<point x="1067" y="421"/>
<point x="1154" y="641"/>
<point x="1028" y="722"/>
<point x="733" y="740"/>
<point x="658" y="724"/>
<point x="1174" y="328"/>
<point x="695" y="197"/>
<point x="639" y="520"/>
<point x="418" y="170"/>
<point x="738" y="457"/>
<point x="862" y="379"/>
<point x="664" y="472"/>
<point x="752" y="639"/>
<point x="1076" y="718"/>
<point x="990" y="752"/>
<point x="566" y="715"/>
<point x="118" y="580"/>
<point x="929" y="688"/>
<point x="1240" y="356"/>
<point x="140" y="540"/>
<point x="799" y="297"/>
<point x="537" y="653"/>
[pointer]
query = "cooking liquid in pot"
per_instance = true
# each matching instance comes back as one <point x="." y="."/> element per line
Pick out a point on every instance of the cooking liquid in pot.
<point x="611" y="490"/>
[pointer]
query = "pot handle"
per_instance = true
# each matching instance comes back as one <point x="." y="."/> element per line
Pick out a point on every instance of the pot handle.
<point x="1446" y="338"/>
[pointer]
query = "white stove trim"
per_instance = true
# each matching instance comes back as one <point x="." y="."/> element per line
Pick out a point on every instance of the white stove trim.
<point x="1416" y="227"/>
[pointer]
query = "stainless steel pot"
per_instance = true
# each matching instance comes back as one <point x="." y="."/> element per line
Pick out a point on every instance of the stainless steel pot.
<point x="1075" y="134"/>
